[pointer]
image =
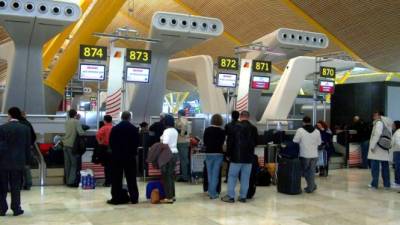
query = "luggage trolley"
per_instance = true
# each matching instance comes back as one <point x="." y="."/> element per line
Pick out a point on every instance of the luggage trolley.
<point x="196" y="166"/>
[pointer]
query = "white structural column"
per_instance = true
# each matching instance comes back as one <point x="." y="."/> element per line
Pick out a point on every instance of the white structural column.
<point x="292" y="80"/>
<point x="201" y="66"/>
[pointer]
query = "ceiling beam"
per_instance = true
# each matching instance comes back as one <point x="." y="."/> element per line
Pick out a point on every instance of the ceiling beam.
<point x="330" y="35"/>
<point x="226" y="34"/>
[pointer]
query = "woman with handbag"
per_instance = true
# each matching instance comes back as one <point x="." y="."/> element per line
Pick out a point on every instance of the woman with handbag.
<point x="326" y="148"/>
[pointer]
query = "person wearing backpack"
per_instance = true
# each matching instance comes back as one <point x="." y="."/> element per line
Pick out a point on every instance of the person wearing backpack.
<point x="378" y="154"/>
<point x="396" y="153"/>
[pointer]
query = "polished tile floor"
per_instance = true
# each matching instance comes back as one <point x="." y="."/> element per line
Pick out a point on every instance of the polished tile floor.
<point x="342" y="198"/>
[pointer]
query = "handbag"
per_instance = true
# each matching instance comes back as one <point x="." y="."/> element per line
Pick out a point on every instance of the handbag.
<point x="322" y="158"/>
<point x="79" y="145"/>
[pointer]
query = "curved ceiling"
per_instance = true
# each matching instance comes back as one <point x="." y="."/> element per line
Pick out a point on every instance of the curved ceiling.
<point x="370" y="28"/>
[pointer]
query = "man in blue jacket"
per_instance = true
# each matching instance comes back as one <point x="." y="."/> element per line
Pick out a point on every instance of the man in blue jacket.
<point x="15" y="143"/>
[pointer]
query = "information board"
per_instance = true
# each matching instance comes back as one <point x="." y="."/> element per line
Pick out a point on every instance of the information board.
<point x="327" y="72"/>
<point x="138" y="56"/>
<point x="92" y="52"/>
<point x="260" y="82"/>
<point x="260" y="66"/>
<point x="137" y="74"/>
<point x="227" y="80"/>
<point x="228" y="63"/>
<point x="327" y="86"/>
<point x="92" y="72"/>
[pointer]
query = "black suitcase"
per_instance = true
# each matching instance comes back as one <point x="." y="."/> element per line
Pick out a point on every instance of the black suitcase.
<point x="255" y="168"/>
<point x="289" y="176"/>
<point x="205" y="179"/>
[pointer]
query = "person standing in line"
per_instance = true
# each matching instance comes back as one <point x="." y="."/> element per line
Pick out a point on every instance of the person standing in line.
<point x="73" y="128"/>
<point x="214" y="138"/>
<point x="396" y="153"/>
<point x="362" y="137"/>
<point x="103" y="138"/>
<point x="170" y="138"/>
<point x="241" y="157"/>
<point x="27" y="183"/>
<point x="309" y="139"/>
<point x="124" y="141"/>
<point x="379" y="149"/>
<point x="229" y="131"/>
<point x="156" y="130"/>
<point x="15" y="143"/>
<point x="327" y="145"/>
<point x="182" y="126"/>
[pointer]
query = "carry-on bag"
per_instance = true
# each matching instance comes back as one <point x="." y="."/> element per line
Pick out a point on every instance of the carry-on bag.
<point x="289" y="176"/>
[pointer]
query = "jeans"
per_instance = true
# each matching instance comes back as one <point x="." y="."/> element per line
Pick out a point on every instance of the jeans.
<point x="168" y="178"/>
<point x="364" y="154"/>
<point x="213" y="163"/>
<point x="183" y="149"/>
<point x="245" y="170"/>
<point x="12" y="179"/>
<point x="308" y="166"/>
<point x="375" y="173"/>
<point x="71" y="161"/>
<point x="396" y="161"/>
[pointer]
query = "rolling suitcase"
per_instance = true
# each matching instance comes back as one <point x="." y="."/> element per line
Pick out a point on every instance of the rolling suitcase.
<point x="255" y="168"/>
<point x="289" y="176"/>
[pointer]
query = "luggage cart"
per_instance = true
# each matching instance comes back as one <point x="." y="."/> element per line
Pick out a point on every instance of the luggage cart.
<point x="196" y="166"/>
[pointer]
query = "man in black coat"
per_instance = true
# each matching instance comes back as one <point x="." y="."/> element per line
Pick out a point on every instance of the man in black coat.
<point x="241" y="157"/>
<point x="27" y="181"/>
<point x="124" y="141"/>
<point x="15" y="143"/>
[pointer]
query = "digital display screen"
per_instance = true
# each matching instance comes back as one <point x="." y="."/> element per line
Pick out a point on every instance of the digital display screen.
<point x="327" y="72"/>
<point x="326" y="86"/>
<point x="228" y="63"/>
<point x="138" y="56"/>
<point x="260" y="82"/>
<point x="261" y="66"/>
<point x="227" y="80"/>
<point x="137" y="74"/>
<point x="93" y="72"/>
<point x="93" y="52"/>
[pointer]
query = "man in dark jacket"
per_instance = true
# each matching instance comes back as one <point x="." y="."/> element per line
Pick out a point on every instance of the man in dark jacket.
<point x="241" y="157"/>
<point x="156" y="130"/>
<point x="124" y="141"/>
<point x="15" y="142"/>
<point x="229" y="131"/>
<point x="27" y="181"/>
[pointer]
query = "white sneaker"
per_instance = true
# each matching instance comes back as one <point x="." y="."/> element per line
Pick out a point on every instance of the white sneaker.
<point x="370" y="186"/>
<point x="395" y="186"/>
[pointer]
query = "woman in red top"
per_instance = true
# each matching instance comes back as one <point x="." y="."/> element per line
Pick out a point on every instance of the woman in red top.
<point x="103" y="138"/>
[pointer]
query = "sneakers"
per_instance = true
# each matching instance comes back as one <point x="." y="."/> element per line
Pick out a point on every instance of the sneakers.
<point x="227" y="199"/>
<point x="395" y="185"/>
<point x="372" y="187"/>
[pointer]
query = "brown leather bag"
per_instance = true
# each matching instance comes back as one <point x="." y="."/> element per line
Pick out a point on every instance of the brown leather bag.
<point x="155" y="196"/>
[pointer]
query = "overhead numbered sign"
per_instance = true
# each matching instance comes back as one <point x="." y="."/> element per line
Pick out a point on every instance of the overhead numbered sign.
<point x="92" y="52"/>
<point x="327" y="72"/>
<point x="138" y="56"/>
<point x="260" y="66"/>
<point x="228" y="63"/>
